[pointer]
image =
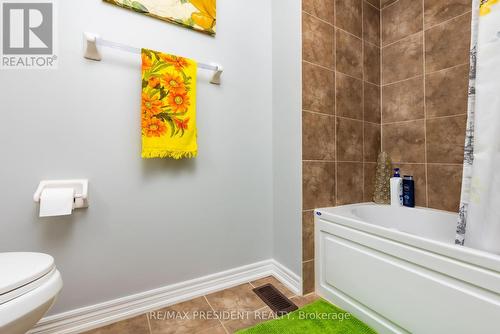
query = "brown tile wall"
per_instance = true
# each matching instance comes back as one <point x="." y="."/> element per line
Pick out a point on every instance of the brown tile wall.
<point x="425" y="55"/>
<point x="341" y="108"/>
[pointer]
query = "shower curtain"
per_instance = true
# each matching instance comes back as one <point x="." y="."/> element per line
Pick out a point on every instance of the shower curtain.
<point x="479" y="215"/>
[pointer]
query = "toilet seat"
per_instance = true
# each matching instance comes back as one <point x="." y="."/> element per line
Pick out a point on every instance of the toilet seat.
<point x="22" y="273"/>
<point x="29" y="285"/>
<point x="6" y="297"/>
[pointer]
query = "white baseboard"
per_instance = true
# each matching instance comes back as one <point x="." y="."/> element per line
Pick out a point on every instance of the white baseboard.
<point x="90" y="317"/>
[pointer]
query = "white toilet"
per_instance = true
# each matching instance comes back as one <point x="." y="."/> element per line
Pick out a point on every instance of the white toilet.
<point x="29" y="284"/>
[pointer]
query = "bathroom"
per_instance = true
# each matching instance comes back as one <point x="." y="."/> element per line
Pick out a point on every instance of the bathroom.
<point x="297" y="114"/>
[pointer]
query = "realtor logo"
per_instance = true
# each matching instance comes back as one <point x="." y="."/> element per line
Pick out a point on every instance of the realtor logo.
<point x="28" y="36"/>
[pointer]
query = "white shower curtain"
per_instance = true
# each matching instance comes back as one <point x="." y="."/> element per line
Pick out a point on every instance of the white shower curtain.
<point x="479" y="222"/>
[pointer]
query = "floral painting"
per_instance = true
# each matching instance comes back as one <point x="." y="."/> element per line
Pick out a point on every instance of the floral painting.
<point x="198" y="15"/>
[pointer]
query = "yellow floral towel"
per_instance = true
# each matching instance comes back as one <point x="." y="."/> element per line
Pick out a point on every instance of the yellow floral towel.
<point x="168" y="106"/>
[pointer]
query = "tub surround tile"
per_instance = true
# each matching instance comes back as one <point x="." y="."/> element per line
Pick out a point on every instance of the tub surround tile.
<point x="403" y="60"/>
<point x="447" y="92"/>
<point x="349" y="97"/>
<point x="372" y="63"/>
<point x="400" y="20"/>
<point x="349" y="54"/>
<point x="446" y="139"/>
<point x="307" y="235"/>
<point x="308" y="277"/>
<point x="371" y="24"/>
<point x="348" y="16"/>
<point x="350" y="185"/>
<point x="318" y="89"/>
<point x="182" y="325"/>
<point x="318" y="136"/>
<point x="404" y="142"/>
<point x="372" y="103"/>
<point x="444" y="186"/>
<point x="137" y="325"/>
<point x="445" y="45"/>
<point x="419" y="175"/>
<point x="369" y="181"/>
<point x="371" y="142"/>
<point x="277" y="284"/>
<point x="341" y="93"/>
<point x="403" y="101"/>
<point x="323" y="9"/>
<point x="238" y="298"/>
<point x="439" y="11"/>
<point x="317" y="41"/>
<point x="424" y="103"/>
<point x="349" y="140"/>
<point x="318" y="184"/>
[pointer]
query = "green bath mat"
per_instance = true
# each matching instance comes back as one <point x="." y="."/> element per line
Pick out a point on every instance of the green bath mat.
<point x="319" y="317"/>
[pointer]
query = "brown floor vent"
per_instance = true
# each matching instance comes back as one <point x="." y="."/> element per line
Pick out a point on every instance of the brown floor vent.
<point x="277" y="301"/>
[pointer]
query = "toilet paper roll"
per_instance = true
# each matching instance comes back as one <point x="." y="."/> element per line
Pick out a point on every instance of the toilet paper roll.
<point x="56" y="202"/>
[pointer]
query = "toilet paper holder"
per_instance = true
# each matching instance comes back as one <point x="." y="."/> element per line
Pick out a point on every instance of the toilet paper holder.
<point x="81" y="188"/>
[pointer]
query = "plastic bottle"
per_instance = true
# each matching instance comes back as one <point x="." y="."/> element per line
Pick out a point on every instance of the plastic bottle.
<point x="396" y="189"/>
<point x="408" y="191"/>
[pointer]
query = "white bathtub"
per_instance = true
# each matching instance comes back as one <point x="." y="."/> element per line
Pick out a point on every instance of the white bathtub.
<point x="398" y="270"/>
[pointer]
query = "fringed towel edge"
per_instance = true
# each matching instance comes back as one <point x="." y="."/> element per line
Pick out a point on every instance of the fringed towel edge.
<point x="169" y="154"/>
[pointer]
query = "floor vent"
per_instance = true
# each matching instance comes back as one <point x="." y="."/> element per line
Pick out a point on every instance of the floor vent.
<point x="277" y="301"/>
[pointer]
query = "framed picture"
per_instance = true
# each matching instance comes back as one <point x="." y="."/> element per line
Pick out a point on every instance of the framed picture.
<point x="198" y="15"/>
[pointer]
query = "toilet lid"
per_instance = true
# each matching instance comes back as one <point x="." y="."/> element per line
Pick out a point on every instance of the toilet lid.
<point x="18" y="269"/>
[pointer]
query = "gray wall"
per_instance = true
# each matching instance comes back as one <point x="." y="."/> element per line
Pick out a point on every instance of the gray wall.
<point x="287" y="135"/>
<point x="150" y="223"/>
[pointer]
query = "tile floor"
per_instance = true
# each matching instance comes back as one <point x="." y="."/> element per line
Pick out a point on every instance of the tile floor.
<point x="237" y="308"/>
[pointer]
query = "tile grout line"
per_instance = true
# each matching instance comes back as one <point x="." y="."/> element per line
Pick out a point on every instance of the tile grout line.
<point x="318" y="18"/>
<point x="149" y="324"/>
<point x="368" y="3"/>
<point x="402" y="39"/>
<point x="447" y="68"/>
<point x="451" y="164"/>
<point x="389" y="5"/>
<point x="213" y="310"/>
<point x="444" y="22"/>
<point x="425" y="119"/>
<point x="332" y="161"/>
<point x="425" y="106"/>
<point x="338" y="72"/>
<point x="423" y="75"/>
<point x="363" y="99"/>
<point x="335" y="164"/>
<point x="302" y="155"/>
<point x="317" y="65"/>
<point x="381" y="95"/>
<point x="317" y="113"/>
<point x="383" y="85"/>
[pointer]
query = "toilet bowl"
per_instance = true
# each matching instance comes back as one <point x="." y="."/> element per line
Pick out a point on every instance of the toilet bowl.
<point x="29" y="284"/>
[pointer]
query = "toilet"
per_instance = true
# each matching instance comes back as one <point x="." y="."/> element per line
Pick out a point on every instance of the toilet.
<point x="29" y="284"/>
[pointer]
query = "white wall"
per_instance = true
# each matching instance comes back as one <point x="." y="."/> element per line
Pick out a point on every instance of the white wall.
<point x="287" y="135"/>
<point x="150" y="223"/>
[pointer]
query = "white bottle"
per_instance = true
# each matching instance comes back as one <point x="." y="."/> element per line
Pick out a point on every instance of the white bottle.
<point x="396" y="189"/>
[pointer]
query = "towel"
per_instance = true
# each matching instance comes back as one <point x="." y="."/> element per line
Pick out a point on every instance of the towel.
<point x="168" y="111"/>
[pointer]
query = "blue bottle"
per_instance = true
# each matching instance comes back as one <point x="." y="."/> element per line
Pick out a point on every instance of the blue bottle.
<point x="408" y="191"/>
